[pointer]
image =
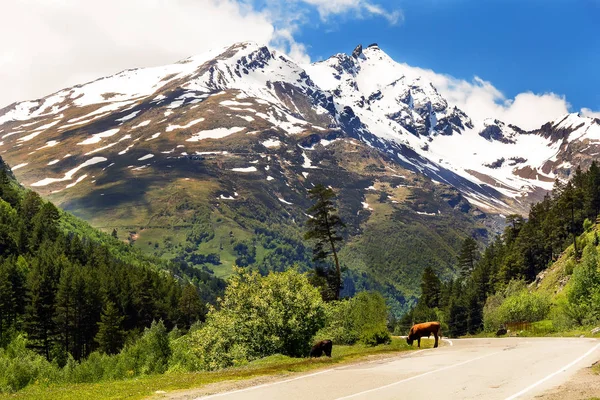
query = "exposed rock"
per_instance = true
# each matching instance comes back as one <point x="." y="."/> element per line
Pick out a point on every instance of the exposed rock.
<point x="494" y="132"/>
<point x="496" y="164"/>
<point x="357" y="51"/>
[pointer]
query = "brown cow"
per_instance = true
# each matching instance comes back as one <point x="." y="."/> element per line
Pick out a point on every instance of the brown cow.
<point x="425" y="329"/>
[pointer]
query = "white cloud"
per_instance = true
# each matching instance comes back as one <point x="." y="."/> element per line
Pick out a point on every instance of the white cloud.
<point x="360" y="8"/>
<point x="480" y="99"/>
<point x="55" y="44"/>
<point x="589" y="113"/>
<point x="51" y="45"/>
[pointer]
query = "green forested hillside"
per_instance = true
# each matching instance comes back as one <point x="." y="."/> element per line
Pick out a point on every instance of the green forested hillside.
<point x="73" y="289"/>
<point x="493" y="289"/>
<point x="198" y="211"/>
<point x="77" y="305"/>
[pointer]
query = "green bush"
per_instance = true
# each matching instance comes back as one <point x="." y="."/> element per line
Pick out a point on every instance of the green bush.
<point x="149" y="355"/>
<point x="258" y="316"/>
<point x="516" y="304"/>
<point x="20" y="366"/>
<point x="376" y="335"/>
<point x="340" y="326"/>
<point x="356" y="319"/>
<point x="96" y="367"/>
<point x="569" y="267"/>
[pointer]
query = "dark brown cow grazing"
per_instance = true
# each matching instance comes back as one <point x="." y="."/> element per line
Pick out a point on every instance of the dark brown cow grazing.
<point x="320" y="347"/>
<point x="425" y="329"/>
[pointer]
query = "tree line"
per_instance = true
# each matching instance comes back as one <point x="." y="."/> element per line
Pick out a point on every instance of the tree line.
<point x="71" y="295"/>
<point x="525" y="248"/>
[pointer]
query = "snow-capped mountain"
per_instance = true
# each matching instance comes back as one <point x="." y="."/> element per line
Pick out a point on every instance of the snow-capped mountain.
<point x="249" y="91"/>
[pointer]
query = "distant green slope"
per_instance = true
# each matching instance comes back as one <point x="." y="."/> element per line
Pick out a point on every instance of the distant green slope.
<point x="201" y="212"/>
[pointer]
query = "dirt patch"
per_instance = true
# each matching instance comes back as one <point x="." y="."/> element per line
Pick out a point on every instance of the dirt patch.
<point x="584" y="385"/>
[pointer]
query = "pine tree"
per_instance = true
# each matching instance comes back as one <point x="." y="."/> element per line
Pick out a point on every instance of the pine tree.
<point x="570" y="202"/>
<point x="45" y="224"/>
<point x="65" y="310"/>
<point x="474" y="310"/>
<point x="457" y="317"/>
<point x="89" y="302"/>
<point x="6" y="302"/>
<point x="430" y="288"/>
<point x="468" y="256"/>
<point x="39" y="317"/>
<point x="110" y="335"/>
<point x="323" y="227"/>
<point x="8" y="192"/>
<point x="114" y="233"/>
<point x="190" y="306"/>
<point x="592" y="193"/>
<point x="514" y="223"/>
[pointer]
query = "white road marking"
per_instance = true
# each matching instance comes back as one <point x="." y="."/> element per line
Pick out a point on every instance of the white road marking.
<point x="297" y="378"/>
<point x="417" y="376"/>
<point x="263" y="385"/>
<point x="527" y="389"/>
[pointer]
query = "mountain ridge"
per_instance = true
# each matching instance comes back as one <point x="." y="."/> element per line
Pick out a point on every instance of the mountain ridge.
<point x="199" y="158"/>
<point x="405" y="111"/>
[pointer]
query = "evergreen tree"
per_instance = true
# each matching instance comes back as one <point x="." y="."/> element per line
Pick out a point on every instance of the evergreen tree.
<point x="45" y="225"/>
<point x="474" y="310"/>
<point x="457" y="317"/>
<point x="430" y="288"/>
<point x="10" y="297"/>
<point x="592" y="193"/>
<point x="39" y="317"/>
<point x="65" y="311"/>
<point x="110" y="335"/>
<point x="323" y="228"/>
<point x="8" y="192"/>
<point x="468" y="256"/>
<point x="190" y="306"/>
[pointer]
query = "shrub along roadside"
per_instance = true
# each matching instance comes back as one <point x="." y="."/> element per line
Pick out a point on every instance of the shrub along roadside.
<point x="362" y="318"/>
<point x="515" y="304"/>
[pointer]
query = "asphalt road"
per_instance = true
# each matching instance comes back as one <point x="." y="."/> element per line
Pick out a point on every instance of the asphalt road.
<point x="480" y="369"/>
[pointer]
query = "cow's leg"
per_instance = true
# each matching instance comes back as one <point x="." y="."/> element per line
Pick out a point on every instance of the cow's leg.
<point x="419" y="342"/>
<point x="435" y="335"/>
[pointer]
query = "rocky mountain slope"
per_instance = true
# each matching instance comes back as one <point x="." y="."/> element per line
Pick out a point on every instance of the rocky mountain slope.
<point x="214" y="154"/>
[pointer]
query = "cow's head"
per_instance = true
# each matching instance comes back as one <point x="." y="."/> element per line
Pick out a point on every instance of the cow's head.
<point x="409" y="339"/>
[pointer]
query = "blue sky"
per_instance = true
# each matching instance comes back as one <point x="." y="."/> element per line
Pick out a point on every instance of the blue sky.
<point x="527" y="45"/>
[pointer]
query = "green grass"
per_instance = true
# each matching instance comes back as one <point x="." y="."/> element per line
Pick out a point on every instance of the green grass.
<point x="143" y="387"/>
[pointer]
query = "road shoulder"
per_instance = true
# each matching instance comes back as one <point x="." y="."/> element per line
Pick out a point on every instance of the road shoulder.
<point x="584" y="385"/>
<point x="234" y="385"/>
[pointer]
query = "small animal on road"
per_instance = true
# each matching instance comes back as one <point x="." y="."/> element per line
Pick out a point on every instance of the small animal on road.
<point x="424" y="329"/>
<point x="324" y="346"/>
